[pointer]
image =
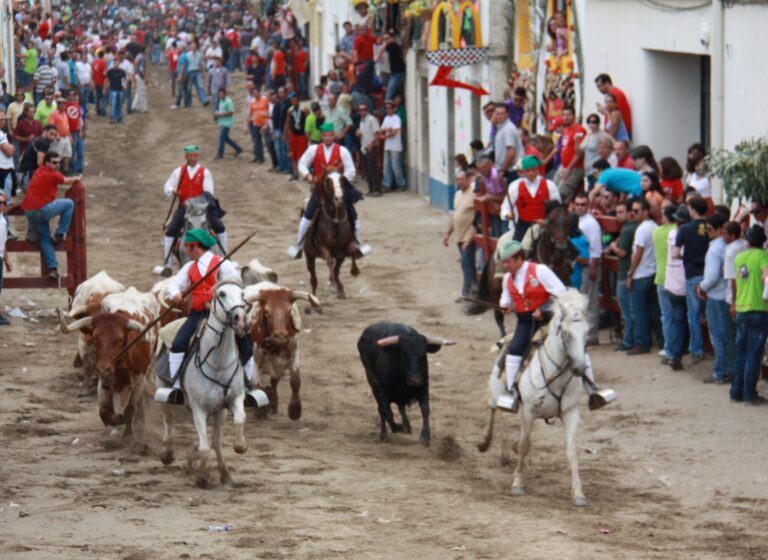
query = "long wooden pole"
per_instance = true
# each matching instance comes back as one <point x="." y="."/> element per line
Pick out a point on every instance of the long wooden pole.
<point x="186" y="292"/>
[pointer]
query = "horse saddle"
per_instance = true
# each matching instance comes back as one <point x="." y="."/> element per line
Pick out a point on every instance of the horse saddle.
<point x="537" y="340"/>
<point x="167" y="334"/>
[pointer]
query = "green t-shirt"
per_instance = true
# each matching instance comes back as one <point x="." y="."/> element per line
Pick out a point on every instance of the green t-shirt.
<point x="44" y="111"/>
<point x="226" y="106"/>
<point x="311" y="128"/>
<point x="749" y="267"/>
<point x="403" y="116"/>
<point x="30" y="61"/>
<point x="660" y="246"/>
<point x="626" y="236"/>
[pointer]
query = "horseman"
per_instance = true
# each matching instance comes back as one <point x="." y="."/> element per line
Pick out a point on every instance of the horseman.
<point x="197" y="245"/>
<point x="314" y="164"/>
<point x="189" y="181"/>
<point x="527" y="197"/>
<point x="527" y="288"/>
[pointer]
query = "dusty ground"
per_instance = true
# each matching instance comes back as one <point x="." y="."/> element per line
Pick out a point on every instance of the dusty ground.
<point x="672" y="470"/>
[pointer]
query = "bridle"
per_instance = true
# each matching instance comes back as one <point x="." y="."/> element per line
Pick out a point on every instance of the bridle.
<point x="339" y="211"/>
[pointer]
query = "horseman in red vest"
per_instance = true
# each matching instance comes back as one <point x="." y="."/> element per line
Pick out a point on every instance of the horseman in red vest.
<point x="197" y="245"/>
<point x="189" y="181"/>
<point x="313" y="165"/>
<point x="527" y="288"/>
<point x="527" y="197"/>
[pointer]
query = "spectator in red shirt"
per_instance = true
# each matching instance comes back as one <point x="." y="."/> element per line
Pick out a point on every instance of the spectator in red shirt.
<point x="300" y="62"/>
<point x="277" y="68"/>
<point x="622" y="155"/>
<point x="604" y="86"/>
<point x="362" y="48"/>
<point x="570" y="175"/>
<point x="671" y="179"/>
<point x="173" y="62"/>
<point x="40" y="205"/>
<point x="27" y="128"/>
<point x="99" y="68"/>
<point x="531" y="150"/>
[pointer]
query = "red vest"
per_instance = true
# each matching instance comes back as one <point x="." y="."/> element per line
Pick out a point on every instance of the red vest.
<point x="534" y="295"/>
<point x="320" y="164"/>
<point x="531" y="208"/>
<point x="204" y="292"/>
<point x="190" y="188"/>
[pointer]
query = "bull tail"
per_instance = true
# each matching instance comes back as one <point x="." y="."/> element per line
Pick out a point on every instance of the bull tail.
<point x="484" y="445"/>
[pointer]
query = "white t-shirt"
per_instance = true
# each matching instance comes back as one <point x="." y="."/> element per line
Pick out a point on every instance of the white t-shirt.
<point x="3" y="236"/>
<point x="674" y="276"/>
<point x="729" y="273"/>
<point x="6" y="162"/>
<point x="395" y="143"/>
<point x="591" y="230"/>
<point x="644" y="239"/>
<point x="702" y="185"/>
<point x="210" y="55"/>
<point x="83" y="72"/>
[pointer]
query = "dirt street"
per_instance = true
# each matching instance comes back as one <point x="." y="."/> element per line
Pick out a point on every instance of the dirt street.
<point x="671" y="470"/>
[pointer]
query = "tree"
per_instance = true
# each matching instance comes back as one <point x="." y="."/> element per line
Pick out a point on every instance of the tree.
<point x="744" y="170"/>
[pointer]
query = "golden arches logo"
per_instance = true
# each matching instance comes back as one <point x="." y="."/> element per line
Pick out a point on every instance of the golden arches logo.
<point x="454" y="19"/>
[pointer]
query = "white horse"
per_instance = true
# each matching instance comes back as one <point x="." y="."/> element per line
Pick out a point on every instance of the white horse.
<point x="550" y="386"/>
<point x="213" y="380"/>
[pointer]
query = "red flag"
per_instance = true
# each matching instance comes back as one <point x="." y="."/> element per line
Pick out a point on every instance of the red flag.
<point x="441" y="79"/>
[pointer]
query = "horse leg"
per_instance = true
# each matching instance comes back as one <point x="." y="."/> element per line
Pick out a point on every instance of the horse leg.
<point x="570" y="420"/>
<point x="526" y="424"/>
<point x="498" y="316"/>
<point x="336" y="270"/>
<point x="354" y="271"/>
<point x="218" y="421"/>
<point x="312" y="272"/>
<point x="294" y="407"/>
<point x="166" y="455"/>
<point x="424" y="437"/>
<point x="329" y="262"/>
<point x="273" y="396"/>
<point x="203" y="451"/>
<point x="238" y="418"/>
<point x="404" y="416"/>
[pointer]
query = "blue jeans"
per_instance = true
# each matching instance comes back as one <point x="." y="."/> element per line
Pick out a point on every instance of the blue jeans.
<point x="78" y="152"/>
<point x="751" y="331"/>
<point x="225" y="139"/>
<point x="393" y="84"/>
<point x="116" y="106"/>
<point x="718" y="315"/>
<point x="156" y="53"/>
<point x="640" y="302"/>
<point x="665" y="306"/>
<point x="467" y="268"/>
<point x="85" y="94"/>
<point x="128" y="97"/>
<point x="674" y="344"/>
<point x="258" y="145"/>
<point x="281" y="147"/>
<point x="393" y="163"/>
<point x="623" y="294"/>
<point x="194" y="79"/>
<point x="100" y="99"/>
<point x="695" y="310"/>
<point x="38" y="220"/>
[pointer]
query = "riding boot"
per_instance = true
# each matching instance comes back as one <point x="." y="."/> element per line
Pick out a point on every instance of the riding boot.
<point x="510" y="400"/>
<point x="223" y="241"/>
<point x="254" y="398"/>
<point x="248" y="370"/>
<point x="165" y="269"/>
<point x="174" y="395"/>
<point x="598" y="398"/>
<point x="362" y="249"/>
<point x="294" y="251"/>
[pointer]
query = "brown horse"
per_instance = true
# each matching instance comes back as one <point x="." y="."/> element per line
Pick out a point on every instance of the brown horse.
<point x="331" y="236"/>
<point x="546" y="245"/>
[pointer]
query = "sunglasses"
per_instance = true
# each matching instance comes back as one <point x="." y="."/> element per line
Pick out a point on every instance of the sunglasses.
<point x="593" y="122"/>
<point x="579" y="203"/>
<point x="3" y="202"/>
<point x="57" y="162"/>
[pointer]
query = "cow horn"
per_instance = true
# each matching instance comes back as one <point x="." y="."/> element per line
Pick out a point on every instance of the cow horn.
<point x="439" y="341"/>
<point x="79" y="310"/>
<point x="250" y="298"/>
<point x="62" y="322"/>
<point x="134" y="325"/>
<point x="388" y="341"/>
<point x="85" y="322"/>
<point x="308" y="297"/>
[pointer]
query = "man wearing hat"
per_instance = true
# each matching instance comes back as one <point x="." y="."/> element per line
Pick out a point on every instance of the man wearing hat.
<point x="313" y="165"/>
<point x="751" y="311"/>
<point x="527" y="197"/>
<point x="526" y="290"/>
<point x="188" y="181"/>
<point x="197" y="245"/>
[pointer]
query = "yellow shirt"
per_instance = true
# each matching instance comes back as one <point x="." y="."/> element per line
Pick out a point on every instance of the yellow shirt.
<point x="463" y="216"/>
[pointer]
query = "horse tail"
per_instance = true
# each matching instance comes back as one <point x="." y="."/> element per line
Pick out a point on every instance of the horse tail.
<point x="483" y="446"/>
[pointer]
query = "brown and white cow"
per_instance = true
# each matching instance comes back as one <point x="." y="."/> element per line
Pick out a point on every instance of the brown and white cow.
<point x="122" y="382"/>
<point x="255" y="272"/>
<point x="88" y="296"/>
<point x="274" y="321"/>
<point x="159" y="290"/>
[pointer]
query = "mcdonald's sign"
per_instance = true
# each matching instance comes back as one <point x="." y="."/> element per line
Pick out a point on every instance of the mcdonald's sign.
<point x="455" y="19"/>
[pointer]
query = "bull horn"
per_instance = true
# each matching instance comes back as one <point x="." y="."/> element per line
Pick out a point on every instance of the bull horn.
<point x="308" y="297"/>
<point x="439" y="341"/>
<point x="62" y="322"/>
<point x="79" y="310"/>
<point x="388" y="341"/>
<point x="134" y="325"/>
<point x="250" y="298"/>
<point x="85" y="322"/>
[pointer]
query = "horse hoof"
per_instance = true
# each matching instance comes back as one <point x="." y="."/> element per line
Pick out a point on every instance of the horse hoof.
<point x="226" y="479"/>
<point x="202" y="483"/>
<point x="341" y="295"/>
<point x="424" y="440"/>
<point x="580" y="502"/>
<point x="294" y="411"/>
<point x="518" y="491"/>
<point x="166" y="456"/>
<point x="241" y="448"/>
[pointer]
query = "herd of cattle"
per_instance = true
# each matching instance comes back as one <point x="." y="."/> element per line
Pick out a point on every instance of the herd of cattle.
<point x="107" y="316"/>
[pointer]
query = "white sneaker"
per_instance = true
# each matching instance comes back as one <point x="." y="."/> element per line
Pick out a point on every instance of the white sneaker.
<point x="662" y="353"/>
<point x="174" y="106"/>
<point x="294" y="251"/>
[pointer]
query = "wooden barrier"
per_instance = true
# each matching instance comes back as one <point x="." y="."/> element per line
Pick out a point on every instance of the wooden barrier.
<point x="74" y="246"/>
<point x="484" y="240"/>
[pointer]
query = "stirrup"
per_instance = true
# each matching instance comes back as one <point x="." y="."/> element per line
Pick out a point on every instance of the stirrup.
<point x="508" y="401"/>
<point x="294" y="251"/>
<point x="601" y="398"/>
<point x="364" y="249"/>
<point x="255" y="398"/>
<point x="169" y="395"/>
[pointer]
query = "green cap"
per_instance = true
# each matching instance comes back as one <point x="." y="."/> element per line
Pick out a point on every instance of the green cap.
<point x="326" y="127"/>
<point x="529" y="162"/>
<point x="509" y="248"/>
<point x="192" y="149"/>
<point x="200" y="236"/>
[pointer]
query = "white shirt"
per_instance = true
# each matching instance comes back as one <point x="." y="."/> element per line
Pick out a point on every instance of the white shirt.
<point x="369" y="126"/>
<point x="6" y="162"/>
<point x="394" y="143"/>
<point x="591" y="230"/>
<point x="308" y="158"/>
<point x="127" y="67"/>
<point x="674" y="276"/>
<point x="644" y="238"/>
<point x="210" y="55"/>
<point x="513" y="192"/>
<point x="181" y="281"/>
<point x="548" y="279"/>
<point x="731" y="251"/>
<point x="702" y="185"/>
<point x="83" y="72"/>
<point x="3" y="236"/>
<point x="173" y="181"/>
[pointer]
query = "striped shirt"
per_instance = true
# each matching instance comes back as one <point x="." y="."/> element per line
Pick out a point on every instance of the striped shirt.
<point x="45" y="76"/>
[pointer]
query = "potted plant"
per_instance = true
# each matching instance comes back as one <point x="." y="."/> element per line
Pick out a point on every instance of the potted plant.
<point x="744" y="170"/>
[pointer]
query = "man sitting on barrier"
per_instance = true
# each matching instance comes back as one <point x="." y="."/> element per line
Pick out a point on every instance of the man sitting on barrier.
<point x="526" y="290"/>
<point x="41" y="205"/>
<point x="526" y="197"/>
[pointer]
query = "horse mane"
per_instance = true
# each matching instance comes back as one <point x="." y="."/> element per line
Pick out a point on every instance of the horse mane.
<point x="571" y="299"/>
<point x="229" y="280"/>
